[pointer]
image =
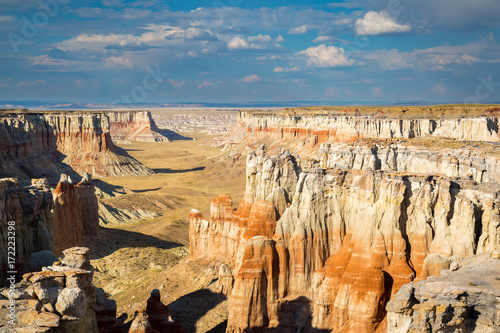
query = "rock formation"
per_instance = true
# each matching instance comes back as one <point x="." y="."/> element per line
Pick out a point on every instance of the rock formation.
<point x="75" y="212"/>
<point x="463" y="299"/>
<point x="60" y="299"/>
<point x="129" y="126"/>
<point x="43" y="220"/>
<point x="36" y="145"/>
<point x="328" y="127"/>
<point x="29" y="211"/>
<point x="334" y="244"/>
<point x="156" y="318"/>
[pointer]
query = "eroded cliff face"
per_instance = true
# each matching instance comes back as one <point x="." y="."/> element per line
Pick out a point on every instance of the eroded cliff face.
<point x="334" y="128"/>
<point x="76" y="212"/>
<point x="317" y="246"/>
<point x="269" y="184"/>
<point x="30" y="208"/>
<point x="129" y="126"/>
<point x="466" y="163"/>
<point x="45" y="219"/>
<point x="42" y="145"/>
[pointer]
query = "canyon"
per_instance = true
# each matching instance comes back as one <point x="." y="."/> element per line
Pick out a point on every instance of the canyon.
<point x="324" y="241"/>
<point x="330" y="219"/>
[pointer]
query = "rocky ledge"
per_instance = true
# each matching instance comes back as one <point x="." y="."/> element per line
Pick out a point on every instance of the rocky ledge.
<point x="465" y="298"/>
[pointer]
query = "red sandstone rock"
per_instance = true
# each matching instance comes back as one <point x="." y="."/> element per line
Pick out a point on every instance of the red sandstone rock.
<point x="348" y="241"/>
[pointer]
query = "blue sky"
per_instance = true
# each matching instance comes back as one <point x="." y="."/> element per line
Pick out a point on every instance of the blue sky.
<point x="250" y="50"/>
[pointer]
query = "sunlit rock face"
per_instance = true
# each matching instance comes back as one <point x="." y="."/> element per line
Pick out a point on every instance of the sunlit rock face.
<point x="465" y="298"/>
<point x="315" y="246"/>
<point x="349" y="128"/>
<point x="47" y="144"/>
<point x="134" y="126"/>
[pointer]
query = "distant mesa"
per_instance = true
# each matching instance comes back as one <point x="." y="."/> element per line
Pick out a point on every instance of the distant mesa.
<point x="131" y="126"/>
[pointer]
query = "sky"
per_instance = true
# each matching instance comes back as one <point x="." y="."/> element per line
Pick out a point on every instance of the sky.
<point x="149" y="51"/>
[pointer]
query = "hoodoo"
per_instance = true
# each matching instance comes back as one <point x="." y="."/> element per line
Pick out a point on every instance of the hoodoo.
<point x="324" y="243"/>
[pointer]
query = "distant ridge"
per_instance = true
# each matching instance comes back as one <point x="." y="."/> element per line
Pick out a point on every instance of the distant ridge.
<point x="43" y="105"/>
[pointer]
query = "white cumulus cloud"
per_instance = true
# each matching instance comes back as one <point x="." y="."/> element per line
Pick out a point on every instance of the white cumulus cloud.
<point x="298" y="30"/>
<point x="237" y="43"/>
<point x="250" y="79"/>
<point x="326" y="56"/>
<point x="377" y="23"/>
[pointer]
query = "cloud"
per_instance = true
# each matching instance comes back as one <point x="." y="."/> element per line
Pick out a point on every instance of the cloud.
<point x="377" y="23"/>
<point x="269" y="57"/>
<point x="298" y="30"/>
<point x="176" y="83"/>
<point x="134" y="45"/>
<point x="206" y="85"/>
<point x="259" y="39"/>
<point x="324" y="39"/>
<point x="238" y="43"/>
<point x="118" y="62"/>
<point x="442" y="58"/>
<point x="253" y="42"/>
<point x="285" y="70"/>
<point x="326" y="56"/>
<point x="30" y="83"/>
<point x="193" y="33"/>
<point x="250" y="79"/>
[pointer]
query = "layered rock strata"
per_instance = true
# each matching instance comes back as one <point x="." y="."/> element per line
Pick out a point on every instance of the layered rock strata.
<point x="28" y="213"/>
<point x="466" y="163"/>
<point x="464" y="299"/>
<point x="326" y="248"/>
<point x="76" y="212"/>
<point x="41" y="145"/>
<point x="60" y="299"/>
<point x="130" y="126"/>
<point x="329" y="127"/>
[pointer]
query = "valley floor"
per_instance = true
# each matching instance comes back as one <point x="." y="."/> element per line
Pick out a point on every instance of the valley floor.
<point x="133" y="258"/>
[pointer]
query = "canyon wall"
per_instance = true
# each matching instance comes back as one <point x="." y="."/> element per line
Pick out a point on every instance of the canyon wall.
<point x="326" y="243"/>
<point x="129" y="126"/>
<point x="45" y="220"/>
<point x="332" y="128"/>
<point x="42" y="145"/>
<point x="30" y="208"/>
